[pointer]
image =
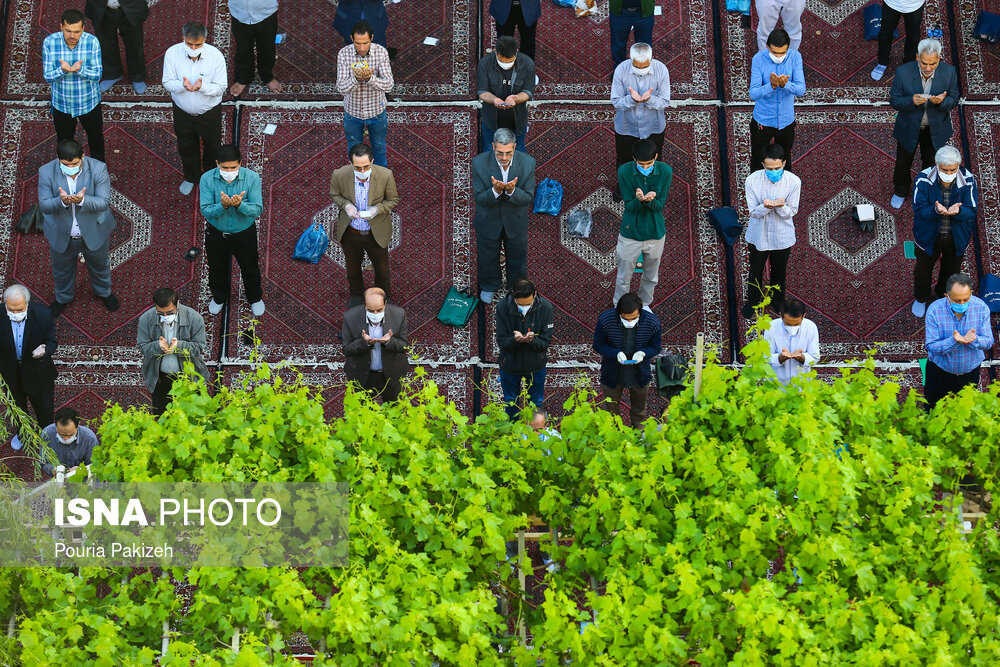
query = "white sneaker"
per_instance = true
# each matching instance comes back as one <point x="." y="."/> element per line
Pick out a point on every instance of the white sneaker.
<point x="878" y="72"/>
<point x="186" y="187"/>
<point x="257" y="308"/>
<point x="486" y="297"/>
<point x="214" y="308"/>
<point x="896" y="201"/>
<point x="919" y="309"/>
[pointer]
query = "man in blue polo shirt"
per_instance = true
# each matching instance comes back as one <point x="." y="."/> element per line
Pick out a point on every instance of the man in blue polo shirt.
<point x="957" y="331"/>
<point x="776" y="79"/>
<point x="231" y="202"/>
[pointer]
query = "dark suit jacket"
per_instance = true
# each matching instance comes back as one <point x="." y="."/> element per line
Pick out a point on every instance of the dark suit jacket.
<point x="507" y="213"/>
<point x="905" y="85"/>
<point x="93" y="216"/>
<point x="395" y="363"/>
<point x="382" y="194"/>
<point x="349" y="13"/>
<point x="531" y="10"/>
<point x="36" y="375"/>
<point x="135" y="11"/>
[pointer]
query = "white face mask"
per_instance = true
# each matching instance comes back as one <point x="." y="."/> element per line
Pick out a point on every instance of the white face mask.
<point x="640" y="72"/>
<point x="363" y="175"/>
<point x="229" y="176"/>
<point x="375" y="318"/>
<point x="777" y="60"/>
<point x="66" y="441"/>
<point x="792" y="330"/>
<point x="628" y="324"/>
<point x="524" y="309"/>
<point x="947" y="178"/>
<point x="17" y="317"/>
<point x="168" y="319"/>
<point x="192" y="53"/>
<point x="504" y="65"/>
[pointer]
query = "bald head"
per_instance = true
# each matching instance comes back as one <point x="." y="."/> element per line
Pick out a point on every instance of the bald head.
<point x="374" y="300"/>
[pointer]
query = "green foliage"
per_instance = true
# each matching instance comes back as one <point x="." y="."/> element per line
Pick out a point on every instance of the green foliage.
<point x="760" y="524"/>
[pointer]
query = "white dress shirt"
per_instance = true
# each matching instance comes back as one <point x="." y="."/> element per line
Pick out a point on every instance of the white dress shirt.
<point x="74" y="232"/>
<point x="375" y="331"/>
<point x="210" y="67"/>
<point x="504" y="173"/>
<point x="805" y="339"/>
<point x="772" y="228"/>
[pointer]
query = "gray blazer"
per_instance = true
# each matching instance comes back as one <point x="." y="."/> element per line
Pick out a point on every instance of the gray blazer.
<point x="93" y="216"/>
<point x="190" y="342"/>
<point x="395" y="363"/>
<point x="905" y="85"/>
<point x="507" y="213"/>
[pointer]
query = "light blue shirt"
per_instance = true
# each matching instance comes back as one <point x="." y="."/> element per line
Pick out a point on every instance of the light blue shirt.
<point x="805" y="339"/>
<point x="361" y="202"/>
<point x="940" y="325"/>
<point x="640" y="119"/>
<point x="18" y="330"/>
<point x="375" y="331"/>
<point x="250" y="12"/>
<point x="73" y="93"/>
<point x="775" y="107"/>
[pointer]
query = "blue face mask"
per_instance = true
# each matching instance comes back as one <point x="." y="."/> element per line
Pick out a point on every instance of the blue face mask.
<point x="959" y="308"/>
<point x="774" y="175"/>
<point x="69" y="171"/>
<point x="645" y="171"/>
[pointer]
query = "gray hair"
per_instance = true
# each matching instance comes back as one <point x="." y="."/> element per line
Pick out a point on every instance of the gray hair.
<point x="930" y="45"/>
<point x="947" y="156"/>
<point x="17" y="290"/>
<point x="194" y="30"/>
<point x="962" y="279"/>
<point x="539" y="412"/>
<point x="504" y="136"/>
<point x="641" y="51"/>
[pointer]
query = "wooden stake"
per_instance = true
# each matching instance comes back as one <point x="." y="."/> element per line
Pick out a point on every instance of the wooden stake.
<point x="520" y="576"/>
<point x="165" y="637"/>
<point x="699" y="362"/>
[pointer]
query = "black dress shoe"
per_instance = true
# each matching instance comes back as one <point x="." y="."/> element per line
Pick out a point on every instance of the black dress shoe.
<point x="748" y="311"/>
<point x="392" y="55"/>
<point x="57" y="308"/>
<point x="111" y="302"/>
<point x="616" y="197"/>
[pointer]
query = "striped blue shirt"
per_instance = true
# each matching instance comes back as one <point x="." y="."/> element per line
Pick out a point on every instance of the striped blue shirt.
<point x="361" y="203"/>
<point x="941" y="324"/>
<point x="73" y="93"/>
<point x="775" y="107"/>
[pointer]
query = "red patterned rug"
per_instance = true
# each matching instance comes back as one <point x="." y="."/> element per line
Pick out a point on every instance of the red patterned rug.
<point x="980" y="65"/>
<point x="836" y="59"/>
<point x="578" y="275"/>
<point x="431" y="251"/>
<point x="155" y="227"/>
<point x="858" y="286"/>
<point x="307" y="57"/>
<point x="573" y="55"/>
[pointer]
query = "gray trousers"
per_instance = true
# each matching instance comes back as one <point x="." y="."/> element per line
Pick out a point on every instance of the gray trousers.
<point x="790" y="12"/>
<point x="628" y="252"/>
<point x="64" y="269"/>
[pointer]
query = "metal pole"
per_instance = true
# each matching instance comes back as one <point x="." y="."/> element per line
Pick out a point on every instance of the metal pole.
<point x="699" y="362"/>
<point x="520" y="578"/>
<point x="166" y="637"/>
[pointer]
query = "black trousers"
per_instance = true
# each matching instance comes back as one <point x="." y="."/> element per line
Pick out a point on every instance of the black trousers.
<point x="161" y="393"/>
<point x="219" y="251"/>
<point x="93" y="125"/>
<point x="778" y="260"/>
<point x="378" y="385"/>
<point x="355" y="246"/>
<point x="488" y="254"/>
<point x="260" y="37"/>
<point x="526" y="32"/>
<point x="939" y="383"/>
<point x="944" y="249"/>
<point x="911" y="24"/>
<point x="904" y="161"/>
<point x="760" y="139"/>
<point x="115" y="23"/>
<point x="42" y="401"/>
<point x="194" y="132"/>
<point x="625" y="142"/>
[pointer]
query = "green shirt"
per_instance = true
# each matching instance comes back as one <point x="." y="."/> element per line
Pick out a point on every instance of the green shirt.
<point x="643" y="221"/>
<point x="227" y="218"/>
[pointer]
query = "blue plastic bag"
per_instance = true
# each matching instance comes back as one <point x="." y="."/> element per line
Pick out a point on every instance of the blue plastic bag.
<point x="548" y="197"/>
<point x="566" y="3"/>
<point x="871" y="17"/>
<point x="989" y="291"/>
<point x="741" y="6"/>
<point x="312" y="244"/>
